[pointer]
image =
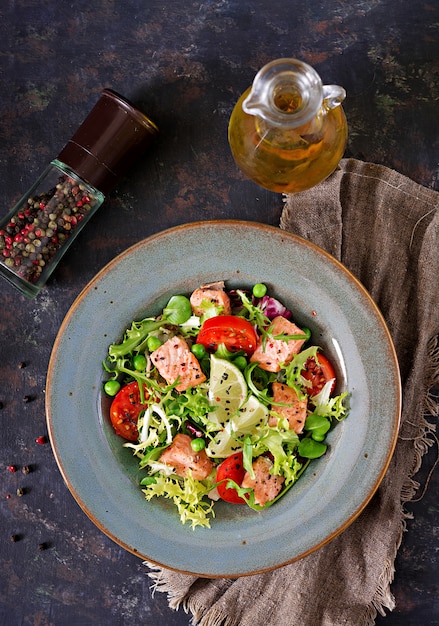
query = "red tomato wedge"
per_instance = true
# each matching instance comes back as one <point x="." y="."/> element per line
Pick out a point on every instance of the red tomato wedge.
<point x="231" y="468"/>
<point x="125" y="410"/>
<point x="236" y="333"/>
<point x="318" y="374"/>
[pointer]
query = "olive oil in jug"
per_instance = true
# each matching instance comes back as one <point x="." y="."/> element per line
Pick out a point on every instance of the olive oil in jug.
<point x="288" y="131"/>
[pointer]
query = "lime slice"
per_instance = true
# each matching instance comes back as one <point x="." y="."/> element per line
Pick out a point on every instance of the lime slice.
<point x="252" y="414"/>
<point x="223" y="445"/>
<point x="227" y="389"/>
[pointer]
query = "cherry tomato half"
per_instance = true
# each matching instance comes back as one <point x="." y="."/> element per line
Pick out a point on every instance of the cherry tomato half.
<point x="236" y="333"/>
<point x="231" y="468"/>
<point x="318" y="374"/>
<point x="125" y="410"/>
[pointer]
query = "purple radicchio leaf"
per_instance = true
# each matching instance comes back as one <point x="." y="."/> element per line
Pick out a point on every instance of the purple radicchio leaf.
<point x="272" y="308"/>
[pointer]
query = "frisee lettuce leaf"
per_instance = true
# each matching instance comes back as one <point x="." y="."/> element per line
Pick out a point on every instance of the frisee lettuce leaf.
<point x="255" y="315"/>
<point x="293" y="370"/>
<point x="210" y="309"/>
<point x="187" y="494"/>
<point x="332" y="408"/>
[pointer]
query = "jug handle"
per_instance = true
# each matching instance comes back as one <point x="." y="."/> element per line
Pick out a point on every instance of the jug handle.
<point x="333" y="95"/>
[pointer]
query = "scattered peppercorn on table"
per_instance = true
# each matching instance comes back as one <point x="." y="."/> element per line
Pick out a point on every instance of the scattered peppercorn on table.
<point x="185" y="65"/>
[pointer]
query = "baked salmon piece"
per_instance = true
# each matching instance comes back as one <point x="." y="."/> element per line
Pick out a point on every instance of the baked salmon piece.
<point x="293" y="409"/>
<point x="174" y="360"/>
<point x="213" y="294"/>
<point x="266" y="486"/>
<point x="273" y="352"/>
<point x="180" y="456"/>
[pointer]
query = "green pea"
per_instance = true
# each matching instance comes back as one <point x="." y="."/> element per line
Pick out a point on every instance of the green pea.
<point x="240" y="362"/>
<point x="198" y="444"/>
<point x="259" y="290"/>
<point x="153" y="343"/>
<point x="111" y="387"/>
<point x="310" y="449"/>
<point x="198" y="350"/>
<point x="139" y="362"/>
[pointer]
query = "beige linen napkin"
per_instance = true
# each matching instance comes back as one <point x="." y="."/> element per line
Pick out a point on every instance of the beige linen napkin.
<point x="385" y="229"/>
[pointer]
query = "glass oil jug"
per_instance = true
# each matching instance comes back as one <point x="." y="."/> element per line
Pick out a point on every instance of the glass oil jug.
<point x="288" y="131"/>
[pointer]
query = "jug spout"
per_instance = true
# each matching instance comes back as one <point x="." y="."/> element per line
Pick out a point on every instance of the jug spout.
<point x="285" y="93"/>
<point x="253" y="105"/>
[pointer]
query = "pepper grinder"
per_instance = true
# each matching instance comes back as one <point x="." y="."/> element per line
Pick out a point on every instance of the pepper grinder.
<point x="39" y="229"/>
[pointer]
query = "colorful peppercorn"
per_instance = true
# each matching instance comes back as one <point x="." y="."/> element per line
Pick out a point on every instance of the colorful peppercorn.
<point x="42" y="225"/>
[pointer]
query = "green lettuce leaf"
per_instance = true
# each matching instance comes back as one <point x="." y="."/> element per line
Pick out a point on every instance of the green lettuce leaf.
<point x="188" y="496"/>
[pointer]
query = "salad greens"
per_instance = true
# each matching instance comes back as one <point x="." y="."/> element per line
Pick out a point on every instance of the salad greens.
<point x="196" y="411"/>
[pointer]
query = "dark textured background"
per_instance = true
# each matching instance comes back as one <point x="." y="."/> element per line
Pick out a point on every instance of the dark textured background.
<point x="185" y="63"/>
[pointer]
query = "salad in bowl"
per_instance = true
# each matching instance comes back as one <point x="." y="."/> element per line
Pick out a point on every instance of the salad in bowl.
<point x="221" y="396"/>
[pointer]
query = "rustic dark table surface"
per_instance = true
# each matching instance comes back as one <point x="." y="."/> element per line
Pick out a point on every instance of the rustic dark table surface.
<point x="185" y="63"/>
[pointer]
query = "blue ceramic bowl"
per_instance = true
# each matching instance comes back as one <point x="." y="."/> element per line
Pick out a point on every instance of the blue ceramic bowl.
<point x="325" y="297"/>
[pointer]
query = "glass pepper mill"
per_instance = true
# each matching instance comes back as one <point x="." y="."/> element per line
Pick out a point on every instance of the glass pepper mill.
<point x="39" y="229"/>
<point x="288" y="131"/>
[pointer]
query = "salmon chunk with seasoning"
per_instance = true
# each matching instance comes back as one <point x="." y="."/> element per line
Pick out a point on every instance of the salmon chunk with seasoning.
<point x="271" y="353"/>
<point x="182" y="458"/>
<point x="291" y="408"/>
<point x="210" y="295"/>
<point x="266" y="486"/>
<point x="174" y="360"/>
